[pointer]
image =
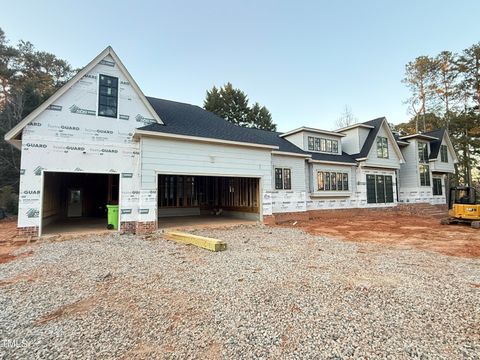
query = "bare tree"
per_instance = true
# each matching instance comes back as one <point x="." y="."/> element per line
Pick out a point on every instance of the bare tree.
<point x="346" y="118"/>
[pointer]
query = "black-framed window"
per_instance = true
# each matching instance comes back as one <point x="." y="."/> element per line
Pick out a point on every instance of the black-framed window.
<point x="339" y="182"/>
<point x="424" y="170"/>
<point x="283" y="179"/>
<point x="382" y="147"/>
<point x="311" y="143"/>
<point x="322" y="144"/>
<point x="422" y="152"/>
<point x="345" y="182"/>
<point x="332" y="181"/>
<point x="437" y="186"/>
<point x="443" y="154"/>
<point x="108" y="96"/>
<point x="379" y="189"/>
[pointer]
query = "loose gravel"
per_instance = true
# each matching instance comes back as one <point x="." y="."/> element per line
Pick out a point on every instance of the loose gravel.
<point x="275" y="293"/>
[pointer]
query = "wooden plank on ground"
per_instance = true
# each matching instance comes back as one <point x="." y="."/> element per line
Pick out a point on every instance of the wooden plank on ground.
<point x="200" y="241"/>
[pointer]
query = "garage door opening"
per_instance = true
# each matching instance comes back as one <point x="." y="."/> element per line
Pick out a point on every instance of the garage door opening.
<point x="193" y="199"/>
<point x="75" y="202"/>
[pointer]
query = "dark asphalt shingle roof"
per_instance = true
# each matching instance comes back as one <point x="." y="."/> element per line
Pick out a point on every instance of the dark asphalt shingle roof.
<point x="185" y="119"/>
<point x="367" y="145"/>
<point x="345" y="158"/>
<point x="435" y="144"/>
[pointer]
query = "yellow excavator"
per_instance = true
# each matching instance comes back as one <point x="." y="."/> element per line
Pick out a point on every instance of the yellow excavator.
<point x="463" y="207"/>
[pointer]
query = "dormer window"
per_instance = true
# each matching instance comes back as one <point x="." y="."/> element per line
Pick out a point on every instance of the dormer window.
<point x="322" y="145"/>
<point x="382" y="147"/>
<point x="108" y="96"/>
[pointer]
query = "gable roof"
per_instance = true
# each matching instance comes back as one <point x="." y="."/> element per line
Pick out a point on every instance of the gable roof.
<point x="367" y="145"/>
<point x="435" y="144"/>
<point x="13" y="133"/>
<point x="191" y="120"/>
<point x="423" y="136"/>
<point x="372" y="135"/>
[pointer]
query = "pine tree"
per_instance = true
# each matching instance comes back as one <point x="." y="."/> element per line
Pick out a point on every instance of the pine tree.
<point x="232" y="105"/>
<point x="259" y="117"/>
<point x="27" y="78"/>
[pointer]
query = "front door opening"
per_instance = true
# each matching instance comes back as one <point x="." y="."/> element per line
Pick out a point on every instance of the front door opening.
<point x="76" y="202"/>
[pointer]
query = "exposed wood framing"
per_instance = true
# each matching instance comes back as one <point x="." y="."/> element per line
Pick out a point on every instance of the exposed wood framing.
<point x="206" y="192"/>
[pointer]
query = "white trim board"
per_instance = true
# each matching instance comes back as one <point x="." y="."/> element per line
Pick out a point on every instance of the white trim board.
<point x="138" y="133"/>
<point x="13" y="133"/>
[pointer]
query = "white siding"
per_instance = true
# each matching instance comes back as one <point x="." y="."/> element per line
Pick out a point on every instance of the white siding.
<point x="351" y="142"/>
<point x="440" y="166"/>
<point x="167" y="156"/>
<point x="362" y="136"/>
<point x="325" y="200"/>
<point x="409" y="175"/>
<point x="297" y="139"/>
<point x="294" y="199"/>
<point x="393" y="160"/>
<point x="306" y="134"/>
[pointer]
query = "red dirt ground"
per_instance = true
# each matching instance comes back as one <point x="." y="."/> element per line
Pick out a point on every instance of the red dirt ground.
<point x="397" y="230"/>
<point x="8" y="234"/>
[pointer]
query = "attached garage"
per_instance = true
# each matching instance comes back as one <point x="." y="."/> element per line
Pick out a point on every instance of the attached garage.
<point x="76" y="202"/>
<point x="190" y="195"/>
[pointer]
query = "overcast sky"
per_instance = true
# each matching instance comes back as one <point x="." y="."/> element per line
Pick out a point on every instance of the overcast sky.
<point x="303" y="60"/>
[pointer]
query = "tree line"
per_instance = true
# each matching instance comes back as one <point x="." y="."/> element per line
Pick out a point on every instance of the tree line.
<point x="445" y="92"/>
<point x="27" y="78"/>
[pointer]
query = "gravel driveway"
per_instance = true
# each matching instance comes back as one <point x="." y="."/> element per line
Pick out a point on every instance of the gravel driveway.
<point x="275" y="293"/>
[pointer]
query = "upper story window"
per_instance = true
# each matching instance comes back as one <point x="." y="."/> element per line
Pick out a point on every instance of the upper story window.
<point x="382" y="147"/>
<point x="322" y="144"/>
<point x="108" y="96"/>
<point x="283" y="179"/>
<point x="443" y="153"/>
<point x="422" y="152"/>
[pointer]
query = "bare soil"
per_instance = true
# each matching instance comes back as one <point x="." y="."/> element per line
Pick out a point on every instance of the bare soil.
<point x="8" y="237"/>
<point x="397" y="230"/>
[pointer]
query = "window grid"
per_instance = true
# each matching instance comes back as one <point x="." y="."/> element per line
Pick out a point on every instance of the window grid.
<point x="332" y="181"/>
<point x="322" y="144"/>
<point x="437" y="186"/>
<point x="382" y="147"/>
<point x="108" y="96"/>
<point x="444" y="153"/>
<point x="283" y="179"/>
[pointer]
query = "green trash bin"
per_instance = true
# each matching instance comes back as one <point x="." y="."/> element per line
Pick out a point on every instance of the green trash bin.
<point x="112" y="217"/>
